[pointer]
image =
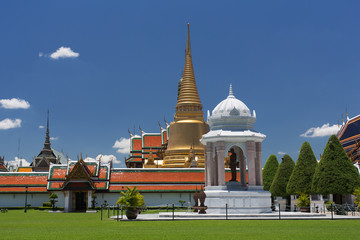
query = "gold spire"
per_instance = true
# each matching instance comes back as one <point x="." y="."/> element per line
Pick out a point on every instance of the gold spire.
<point x="188" y="126"/>
<point x="188" y="100"/>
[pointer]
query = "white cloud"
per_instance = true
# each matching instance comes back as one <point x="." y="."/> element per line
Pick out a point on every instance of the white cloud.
<point x="104" y="158"/>
<point x="63" y="52"/>
<point x="8" y="123"/>
<point x="89" y="159"/>
<point x="41" y="126"/>
<point x="14" y="103"/>
<point x="108" y="158"/>
<point x="122" y="145"/>
<point x="41" y="54"/>
<point x="281" y="153"/>
<point x="54" y="138"/>
<point x="323" y="131"/>
<point x="17" y="162"/>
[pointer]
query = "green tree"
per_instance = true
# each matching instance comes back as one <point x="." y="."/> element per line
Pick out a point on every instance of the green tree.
<point x="302" y="175"/>
<point x="335" y="173"/>
<point x="282" y="176"/>
<point x="269" y="171"/>
<point x="53" y="199"/>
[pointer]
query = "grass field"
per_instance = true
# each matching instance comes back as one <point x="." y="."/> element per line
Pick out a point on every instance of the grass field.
<point x="43" y="225"/>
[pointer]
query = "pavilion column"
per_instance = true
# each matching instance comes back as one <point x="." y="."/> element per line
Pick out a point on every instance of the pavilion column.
<point x="258" y="164"/>
<point x="250" y="148"/>
<point x="220" y="154"/>
<point x="209" y="160"/>
<point x="242" y="170"/>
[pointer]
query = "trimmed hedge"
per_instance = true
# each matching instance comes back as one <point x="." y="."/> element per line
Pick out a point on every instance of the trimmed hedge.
<point x="301" y="178"/>
<point x="283" y="173"/>
<point x="269" y="171"/>
<point x="335" y="173"/>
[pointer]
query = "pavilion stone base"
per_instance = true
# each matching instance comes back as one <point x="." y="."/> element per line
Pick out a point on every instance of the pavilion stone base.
<point x="243" y="201"/>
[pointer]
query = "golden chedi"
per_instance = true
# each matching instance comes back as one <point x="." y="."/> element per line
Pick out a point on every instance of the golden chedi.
<point x="188" y="126"/>
<point x="150" y="163"/>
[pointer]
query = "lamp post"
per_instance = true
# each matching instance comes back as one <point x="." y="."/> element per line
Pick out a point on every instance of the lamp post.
<point x="26" y="190"/>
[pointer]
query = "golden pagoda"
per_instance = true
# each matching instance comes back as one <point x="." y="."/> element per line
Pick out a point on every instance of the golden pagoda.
<point x="188" y="126"/>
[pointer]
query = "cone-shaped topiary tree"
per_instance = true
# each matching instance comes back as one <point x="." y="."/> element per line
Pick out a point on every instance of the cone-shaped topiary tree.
<point x="283" y="173"/>
<point x="269" y="171"/>
<point x="335" y="173"/>
<point x="302" y="175"/>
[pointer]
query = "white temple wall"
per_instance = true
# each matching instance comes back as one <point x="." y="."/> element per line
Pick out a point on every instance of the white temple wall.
<point x="18" y="199"/>
<point x="151" y="199"/>
<point x="37" y="199"/>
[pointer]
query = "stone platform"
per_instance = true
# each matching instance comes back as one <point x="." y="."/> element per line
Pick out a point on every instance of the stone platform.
<point x="239" y="199"/>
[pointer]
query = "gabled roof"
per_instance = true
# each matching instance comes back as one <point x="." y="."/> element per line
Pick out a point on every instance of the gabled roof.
<point x="92" y="173"/>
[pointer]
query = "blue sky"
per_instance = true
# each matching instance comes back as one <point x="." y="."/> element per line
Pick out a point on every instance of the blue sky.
<point x="295" y="63"/>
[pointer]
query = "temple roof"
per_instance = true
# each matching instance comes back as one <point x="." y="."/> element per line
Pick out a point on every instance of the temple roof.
<point x="116" y="180"/>
<point x="349" y="136"/>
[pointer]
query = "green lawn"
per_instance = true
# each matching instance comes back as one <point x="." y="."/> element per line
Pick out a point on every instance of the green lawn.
<point x="43" y="225"/>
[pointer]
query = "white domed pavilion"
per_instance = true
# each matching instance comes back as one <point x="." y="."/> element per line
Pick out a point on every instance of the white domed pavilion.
<point x="231" y="127"/>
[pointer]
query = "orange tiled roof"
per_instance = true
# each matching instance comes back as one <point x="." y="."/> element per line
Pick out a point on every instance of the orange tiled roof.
<point x="155" y="188"/>
<point x="136" y="144"/>
<point x="156" y="176"/>
<point x="152" y="140"/>
<point x="24" y="169"/>
<point x="16" y="179"/>
<point x="22" y="189"/>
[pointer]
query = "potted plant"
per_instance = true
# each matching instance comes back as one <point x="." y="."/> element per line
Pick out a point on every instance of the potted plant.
<point x="133" y="201"/>
<point x="303" y="202"/>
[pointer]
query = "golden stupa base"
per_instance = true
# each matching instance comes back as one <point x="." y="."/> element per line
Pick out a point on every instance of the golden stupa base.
<point x="182" y="161"/>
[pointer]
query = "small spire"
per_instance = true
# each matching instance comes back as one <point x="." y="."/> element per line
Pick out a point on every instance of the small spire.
<point x="231" y="94"/>
<point x="188" y="97"/>
<point x="188" y="47"/>
<point x="47" y="144"/>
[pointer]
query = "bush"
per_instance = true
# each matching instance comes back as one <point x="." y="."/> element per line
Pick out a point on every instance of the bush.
<point x="269" y="171"/>
<point x="356" y="193"/>
<point x="46" y="204"/>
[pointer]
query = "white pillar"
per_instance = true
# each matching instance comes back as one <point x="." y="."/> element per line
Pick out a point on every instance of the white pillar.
<point x="258" y="164"/>
<point x="89" y="198"/>
<point x="242" y="170"/>
<point x="250" y="149"/>
<point x="208" y="163"/>
<point x="220" y="148"/>
<point x="67" y="199"/>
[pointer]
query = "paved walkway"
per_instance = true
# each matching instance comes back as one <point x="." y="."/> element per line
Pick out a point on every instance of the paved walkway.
<point x="266" y="216"/>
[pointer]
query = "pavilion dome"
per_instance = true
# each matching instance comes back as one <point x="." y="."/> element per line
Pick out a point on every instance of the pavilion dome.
<point x="231" y="114"/>
<point x="231" y="106"/>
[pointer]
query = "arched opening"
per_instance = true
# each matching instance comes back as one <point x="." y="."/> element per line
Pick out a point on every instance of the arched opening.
<point x="241" y="165"/>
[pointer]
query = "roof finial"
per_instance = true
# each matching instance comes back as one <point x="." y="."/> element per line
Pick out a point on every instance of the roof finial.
<point x="188" y="47"/>
<point x="47" y="144"/>
<point x="231" y="94"/>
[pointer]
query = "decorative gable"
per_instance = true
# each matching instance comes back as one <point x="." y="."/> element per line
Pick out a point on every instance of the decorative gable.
<point x="79" y="178"/>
